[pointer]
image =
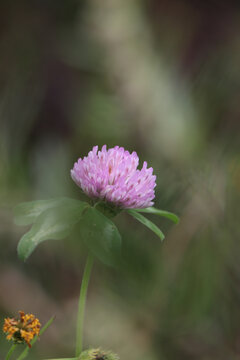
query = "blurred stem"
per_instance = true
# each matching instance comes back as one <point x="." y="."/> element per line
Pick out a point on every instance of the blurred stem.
<point x="81" y="304"/>
<point x="12" y="348"/>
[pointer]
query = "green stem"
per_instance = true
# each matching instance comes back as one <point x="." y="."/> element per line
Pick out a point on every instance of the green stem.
<point x="12" y="348"/>
<point x="24" y="353"/>
<point x="81" y="304"/>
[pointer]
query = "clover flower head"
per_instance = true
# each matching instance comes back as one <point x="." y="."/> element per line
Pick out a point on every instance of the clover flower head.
<point x="23" y="329"/>
<point x="112" y="176"/>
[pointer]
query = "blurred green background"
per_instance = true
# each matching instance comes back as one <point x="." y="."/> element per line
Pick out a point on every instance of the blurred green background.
<point x="158" y="77"/>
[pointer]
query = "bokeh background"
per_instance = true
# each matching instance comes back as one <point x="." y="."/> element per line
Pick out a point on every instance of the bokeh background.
<point x="158" y="77"/>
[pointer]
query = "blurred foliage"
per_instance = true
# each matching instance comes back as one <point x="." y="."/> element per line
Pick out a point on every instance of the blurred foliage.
<point x="158" y="77"/>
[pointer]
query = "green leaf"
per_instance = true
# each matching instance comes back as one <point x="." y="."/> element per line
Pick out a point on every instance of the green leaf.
<point x="101" y="236"/>
<point x="44" y="328"/>
<point x="26" y="213"/>
<point x="166" y="214"/>
<point x="52" y="224"/>
<point x="147" y="223"/>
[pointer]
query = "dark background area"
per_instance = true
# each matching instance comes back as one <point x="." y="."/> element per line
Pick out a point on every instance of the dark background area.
<point x="158" y="77"/>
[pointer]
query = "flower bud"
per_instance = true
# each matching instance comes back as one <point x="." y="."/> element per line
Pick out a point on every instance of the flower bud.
<point x="98" y="354"/>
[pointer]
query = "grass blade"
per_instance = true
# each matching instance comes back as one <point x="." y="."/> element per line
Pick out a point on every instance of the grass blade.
<point x="166" y="214"/>
<point x="147" y="223"/>
<point x="24" y="354"/>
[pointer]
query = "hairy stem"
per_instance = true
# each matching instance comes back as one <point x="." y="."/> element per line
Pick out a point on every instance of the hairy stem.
<point x="81" y="304"/>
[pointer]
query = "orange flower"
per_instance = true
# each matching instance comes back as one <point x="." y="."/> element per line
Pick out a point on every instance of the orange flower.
<point x="23" y="329"/>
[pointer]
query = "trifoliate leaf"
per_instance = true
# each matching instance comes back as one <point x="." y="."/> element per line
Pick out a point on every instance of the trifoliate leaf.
<point x="27" y="212"/>
<point x="52" y="224"/>
<point x="101" y="236"/>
